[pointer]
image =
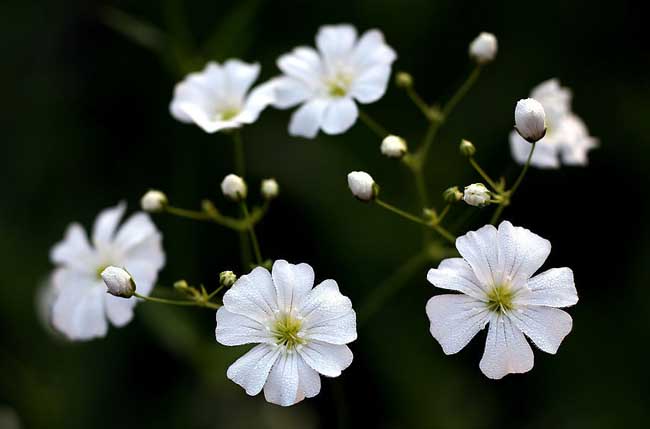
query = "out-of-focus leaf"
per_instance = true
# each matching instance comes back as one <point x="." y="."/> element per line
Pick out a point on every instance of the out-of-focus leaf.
<point x="233" y="33"/>
<point x="181" y="43"/>
<point x="134" y="29"/>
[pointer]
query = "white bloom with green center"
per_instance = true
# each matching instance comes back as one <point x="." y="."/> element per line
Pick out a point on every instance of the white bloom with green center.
<point x="497" y="285"/>
<point x="300" y="330"/>
<point x="218" y="97"/>
<point x="327" y="81"/>
<point x="82" y="309"/>
<point x="567" y="140"/>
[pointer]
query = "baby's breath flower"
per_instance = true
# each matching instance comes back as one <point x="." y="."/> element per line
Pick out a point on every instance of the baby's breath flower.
<point x="498" y="286"/>
<point x="269" y="188"/>
<point x="483" y="49"/>
<point x="118" y="282"/>
<point x="362" y="185"/>
<point x="452" y="195"/>
<point x="476" y="195"/>
<point x="530" y="120"/>
<point x="467" y="148"/>
<point x="234" y="187"/>
<point x="393" y="146"/>
<point x="153" y="201"/>
<point x="300" y="330"/>
<point x="227" y="278"/>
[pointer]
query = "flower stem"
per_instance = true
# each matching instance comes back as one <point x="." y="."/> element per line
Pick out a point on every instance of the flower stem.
<point x="462" y="91"/>
<point x="435" y="226"/>
<point x="419" y="102"/>
<point x="374" y="126"/>
<point x="484" y="175"/>
<point x="510" y="193"/>
<point x="240" y="159"/>
<point x="205" y="304"/>
<point x="251" y="232"/>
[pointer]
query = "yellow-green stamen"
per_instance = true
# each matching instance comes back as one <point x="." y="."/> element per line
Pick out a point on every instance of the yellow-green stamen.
<point x="286" y="331"/>
<point x="500" y="298"/>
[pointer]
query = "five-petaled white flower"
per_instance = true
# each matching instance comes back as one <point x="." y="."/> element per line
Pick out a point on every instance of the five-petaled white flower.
<point x="326" y="82"/>
<point x="301" y="332"/>
<point x="82" y="308"/>
<point x="495" y="278"/>
<point x="567" y="139"/>
<point x="218" y="97"/>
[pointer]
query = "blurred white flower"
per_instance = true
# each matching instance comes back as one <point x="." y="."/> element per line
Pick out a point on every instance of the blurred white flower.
<point x="153" y="201"/>
<point x="118" y="281"/>
<point x="328" y="81"/>
<point x="234" y="187"/>
<point x="483" y="49"/>
<point x="476" y="195"/>
<point x="82" y="308"/>
<point x="393" y="146"/>
<point x="530" y="120"/>
<point x="497" y="287"/>
<point x="218" y="97"/>
<point x="362" y="185"/>
<point x="300" y="331"/>
<point x="567" y="140"/>
<point x="269" y="188"/>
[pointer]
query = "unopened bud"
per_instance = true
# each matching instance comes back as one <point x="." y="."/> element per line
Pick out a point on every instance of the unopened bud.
<point x="362" y="185"/>
<point x="118" y="282"/>
<point x="452" y="195"/>
<point x="403" y="80"/>
<point x="227" y="278"/>
<point x="393" y="146"/>
<point x="477" y="195"/>
<point x="530" y="120"/>
<point x="234" y="187"/>
<point x="270" y="189"/>
<point x="483" y="49"/>
<point x="467" y="148"/>
<point x="153" y="201"/>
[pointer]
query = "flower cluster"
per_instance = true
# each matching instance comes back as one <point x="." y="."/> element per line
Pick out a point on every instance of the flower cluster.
<point x="301" y="331"/>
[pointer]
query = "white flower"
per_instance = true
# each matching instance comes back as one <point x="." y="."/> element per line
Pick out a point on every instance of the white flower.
<point x="567" y="140"/>
<point x="530" y="120"/>
<point x="218" y="97"/>
<point x="362" y="185"/>
<point x="234" y="187"/>
<point x="328" y="81"/>
<point x="270" y="188"/>
<point x="153" y="201"/>
<point x="497" y="287"/>
<point x="82" y="308"/>
<point x="300" y="331"/>
<point x="483" y="49"/>
<point x="393" y="146"/>
<point x="118" y="281"/>
<point x="476" y="195"/>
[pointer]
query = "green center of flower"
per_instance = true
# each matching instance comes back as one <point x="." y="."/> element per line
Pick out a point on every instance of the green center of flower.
<point x="500" y="298"/>
<point x="286" y="331"/>
<point x="228" y="114"/>
<point x="100" y="269"/>
<point x="338" y="85"/>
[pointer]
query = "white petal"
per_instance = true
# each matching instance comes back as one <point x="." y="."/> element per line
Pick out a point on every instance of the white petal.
<point x="455" y="320"/>
<point x="328" y="315"/>
<point x="552" y="288"/>
<point x="289" y="92"/>
<point x="253" y="295"/>
<point x="281" y="387"/>
<point x="371" y="85"/>
<point x="327" y="359"/>
<point x="105" y="225"/>
<point x="479" y="248"/>
<point x="309" y="380"/>
<point x="205" y="118"/>
<point x="306" y="121"/>
<point x="136" y="229"/>
<point x="119" y="310"/>
<point x="74" y="251"/>
<point x="303" y="64"/>
<point x="506" y="349"/>
<point x="235" y="329"/>
<point x="251" y="370"/>
<point x="456" y="274"/>
<point x="339" y="116"/>
<point x="371" y="51"/>
<point x="239" y="77"/>
<point x="260" y="97"/>
<point x="521" y="253"/>
<point x="546" y="326"/>
<point x="336" y="41"/>
<point x="292" y="283"/>
<point x="78" y="310"/>
<point x="545" y="155"/>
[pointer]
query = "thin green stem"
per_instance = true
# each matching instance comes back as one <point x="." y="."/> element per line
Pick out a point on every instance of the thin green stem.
<point x="444" y="233"/>
<point x="189" y="214"/>
<point x="419" y="102"/>
<point x="240" y="159"/>
<point x="251" y="232"/>
<point x="374" y="126"/>
<point x="443" y="213"/>
<point x="523" y="171"/>
<point x="421" y="186"/>
<point x="211" y="305"/>
<point x="461" y="92"/>
<point x="497" y="214"/>
<point x="214" y="293"/>
<point x="229" y="222"/>
<point x="484" y="175"/>
<point x="401" y="212"/>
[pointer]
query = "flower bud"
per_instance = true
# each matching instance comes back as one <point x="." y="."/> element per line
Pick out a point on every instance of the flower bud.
<point x="153" y="201"/>
<point x="467" y="148"/>
<point x="477" y="195"/>
<point x="227" y="278"/>
<point x="403" y="80"/>
<point x="181" y="285"/>
<point x="118" y="281"/>
<point x="270" y="189"/>
<point x="530" y="120"/>
<point x="483" y="49"/>
<point x="393" y="146"/>
<point x="234" y="187"/>
<point x="362" y="185"/>
<point x="452" y="195"/>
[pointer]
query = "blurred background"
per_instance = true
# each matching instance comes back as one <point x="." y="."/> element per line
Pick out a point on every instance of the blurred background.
<point x="85" y="124"/>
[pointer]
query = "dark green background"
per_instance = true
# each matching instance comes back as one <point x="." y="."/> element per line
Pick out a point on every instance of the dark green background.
<point x="85" y="123"/>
